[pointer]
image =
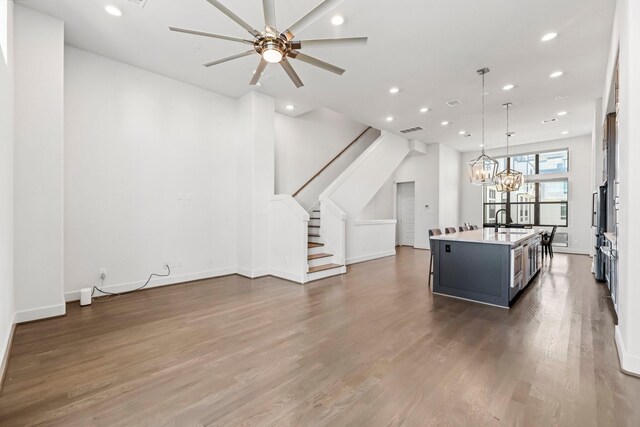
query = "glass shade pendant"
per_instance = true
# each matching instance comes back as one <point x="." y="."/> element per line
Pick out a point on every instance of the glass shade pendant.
<point x="508" y="180"/>
<point x="483" y="169"/>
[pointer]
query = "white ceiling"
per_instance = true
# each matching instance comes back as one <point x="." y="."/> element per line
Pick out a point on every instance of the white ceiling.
<point x="430" y="49"/>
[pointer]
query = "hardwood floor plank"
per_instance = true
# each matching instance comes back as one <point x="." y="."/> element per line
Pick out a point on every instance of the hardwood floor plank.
<point x="372" y="347"/>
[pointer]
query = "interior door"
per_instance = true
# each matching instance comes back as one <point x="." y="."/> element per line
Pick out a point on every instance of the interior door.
<point x="407" y="213"/>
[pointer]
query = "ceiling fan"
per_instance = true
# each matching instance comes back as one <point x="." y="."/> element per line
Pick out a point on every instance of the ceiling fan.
<point x="277" y="47"/>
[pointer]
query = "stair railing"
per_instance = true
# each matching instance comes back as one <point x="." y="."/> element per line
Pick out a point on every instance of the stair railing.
<point x="331" y="161"/>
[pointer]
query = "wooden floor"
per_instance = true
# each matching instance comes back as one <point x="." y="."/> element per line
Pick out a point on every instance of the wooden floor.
<point x="372" y="347"/>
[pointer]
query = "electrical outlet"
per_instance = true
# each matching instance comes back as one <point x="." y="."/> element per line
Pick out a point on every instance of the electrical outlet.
<point x="103" y="273"/>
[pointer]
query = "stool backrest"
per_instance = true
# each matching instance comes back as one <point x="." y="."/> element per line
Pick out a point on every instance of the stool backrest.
<point x="433" y="232"/>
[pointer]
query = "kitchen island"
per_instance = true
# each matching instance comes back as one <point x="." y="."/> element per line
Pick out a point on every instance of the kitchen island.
<point x="488" y="266"/>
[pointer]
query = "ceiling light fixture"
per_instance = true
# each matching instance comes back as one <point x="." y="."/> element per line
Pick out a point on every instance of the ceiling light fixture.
<point x="337" y="20"/>
<point x="483" y="169"/>
<point x="445" y="123"/>
<point x="394" y="90"/>
<point x="462" y="132"/>
<point x="508" y="87"/>
<point x="112" y="10"/>
<point x="548" y="37"/>
<point x="424" y="110"/>
<point x="290" y="107"/>
<point x="389" y="118"/>
<point x="566" y="132"/>
<point x="562" y="113"/>
<point x="556" y="74"/>
<point x="508" y="180"/>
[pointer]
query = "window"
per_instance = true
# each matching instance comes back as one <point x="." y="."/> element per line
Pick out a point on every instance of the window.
<point x="543" y="203"/>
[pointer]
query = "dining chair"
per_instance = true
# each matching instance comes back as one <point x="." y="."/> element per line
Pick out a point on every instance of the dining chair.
<point x="547" y="242"/>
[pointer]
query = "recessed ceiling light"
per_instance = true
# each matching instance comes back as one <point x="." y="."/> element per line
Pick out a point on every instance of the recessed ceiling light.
<point x="481" y="145"/>
<point x="561" y="97"/>
<point x="258" y="84"/>
<point x="445" y="123"/>
<point x="556" y="74"/>
<point x="508" y="87"/>
<point x="424" y="110"/>
<point x="389" y="118"/>
<point x="394" y="90"/>
<point x="112" y="10"/>
<point x="562" y="113"/>
<point x="462" y="132"/>
<point x="290" y="107"/>
<point x="337" y="20"/>
<point x="566" y="132"/>
<point x="549" y="36"/>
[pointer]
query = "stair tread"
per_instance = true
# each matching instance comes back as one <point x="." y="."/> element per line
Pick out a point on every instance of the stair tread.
<point x="314" y="245"/>
<point x="316" y="211"/>
<point x="318" y="256"/>
<point x="313" y="217"/>
<point x="323" y="267"/>
<point x="314" y="235"/>
<point x="314" y="226"/>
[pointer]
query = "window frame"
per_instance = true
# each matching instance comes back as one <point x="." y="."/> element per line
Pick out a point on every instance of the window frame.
<point x="537" y="203"/>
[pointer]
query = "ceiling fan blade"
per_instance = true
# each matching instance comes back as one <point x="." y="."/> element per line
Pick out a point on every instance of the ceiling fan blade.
<point x="215" y="36"/>
<point x="270" y="15"/>
<point x="342" y="42"/>
<point x="315" y="61"/>
<point x="258" y="73"/>
<point x="235" y="17"/>
<point x="310" y="18"/>
<point x="291" y="72"/>
<point x="230" y="58"/>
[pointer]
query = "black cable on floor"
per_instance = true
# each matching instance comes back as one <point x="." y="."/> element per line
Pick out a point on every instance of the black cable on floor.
<point x="95" y="288"/>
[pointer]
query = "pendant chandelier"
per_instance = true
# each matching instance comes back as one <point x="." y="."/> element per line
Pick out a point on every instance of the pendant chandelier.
<point x="508" y="180"/>
<point x="483" y="169"/>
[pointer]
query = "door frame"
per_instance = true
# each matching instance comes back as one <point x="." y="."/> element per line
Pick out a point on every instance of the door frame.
<point x="398" y="211"/>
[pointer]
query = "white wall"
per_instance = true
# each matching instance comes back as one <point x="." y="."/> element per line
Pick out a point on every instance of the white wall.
<point x="579" y="178"/>
<point x="626" y="40"/>
<point x="38" y="156"/>
<point x="150" y="176"/>
<point x="449" y="182"/>
<point x="424" y="170"/>
<point x="304" y="144"/>
<point x="6" y="181"/>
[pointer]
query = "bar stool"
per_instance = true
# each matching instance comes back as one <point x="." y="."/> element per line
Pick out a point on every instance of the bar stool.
<point x="432" y="232"/>
<point x="450" y="230"/>
<point x="463" y="228"/>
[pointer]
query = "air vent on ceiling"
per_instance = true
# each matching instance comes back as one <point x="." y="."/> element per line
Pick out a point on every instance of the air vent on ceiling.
<point x="454" y="103"/>
<point x="409" y="130"/>
<point x="550" y="120"/>
<point x="140" y="3"/>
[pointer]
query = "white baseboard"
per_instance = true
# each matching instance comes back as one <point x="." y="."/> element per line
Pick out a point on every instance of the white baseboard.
<point x="41" y="313"/>
<point x="250" y="274"/>
<point x="157" y="282"/>
<point x="288" y="276"/>
<point x="370" y="257"/>
<point x="628" y="362"/>
<point x="5" y="349"/>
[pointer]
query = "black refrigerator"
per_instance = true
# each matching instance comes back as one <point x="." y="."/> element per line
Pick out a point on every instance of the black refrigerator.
<point x="599" y="224"/>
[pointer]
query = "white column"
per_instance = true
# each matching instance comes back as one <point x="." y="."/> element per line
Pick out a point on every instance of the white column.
<point x="628" y="330"/>
<point x="38" y="163"/>
<point x="256" y="169"/>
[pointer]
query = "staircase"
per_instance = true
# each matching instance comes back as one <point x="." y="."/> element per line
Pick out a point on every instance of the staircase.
<point x="319" y="258"/>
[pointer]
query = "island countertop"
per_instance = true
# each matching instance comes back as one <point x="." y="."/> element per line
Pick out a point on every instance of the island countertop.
<point x="504" y="236"/>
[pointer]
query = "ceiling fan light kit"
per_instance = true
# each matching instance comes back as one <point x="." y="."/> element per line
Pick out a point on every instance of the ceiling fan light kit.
<point x="275" y="47"/>
<point x="482" y="170"/>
